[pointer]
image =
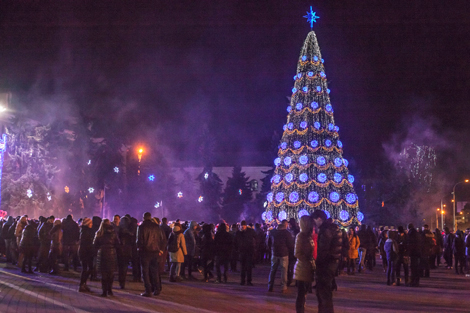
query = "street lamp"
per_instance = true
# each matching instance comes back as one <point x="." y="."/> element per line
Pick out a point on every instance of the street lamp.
<point x="437" y="218"/>
<point x="453" y="200"/>
<point x="140" y="151"/>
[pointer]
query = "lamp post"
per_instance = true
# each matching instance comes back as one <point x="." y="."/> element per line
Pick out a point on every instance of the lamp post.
<point x="453" y="193"/>
<point x="140" y="151"/>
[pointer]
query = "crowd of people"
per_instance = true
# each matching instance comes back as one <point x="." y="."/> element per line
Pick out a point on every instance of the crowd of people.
<point x="313" y="251"/>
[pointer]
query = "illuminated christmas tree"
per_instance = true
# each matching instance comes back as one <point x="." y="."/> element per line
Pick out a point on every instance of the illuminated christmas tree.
<point x="311" y="173"/>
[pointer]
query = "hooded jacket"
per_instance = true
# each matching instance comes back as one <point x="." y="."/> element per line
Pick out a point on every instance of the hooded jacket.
<point x="303" y="251"/>
<point x="190" y="239"/>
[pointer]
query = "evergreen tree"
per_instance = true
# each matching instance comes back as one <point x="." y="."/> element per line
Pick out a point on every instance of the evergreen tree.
<point x="210" y="187"/>
<point x="311" y="173"/>
<point x="237" y="192"/>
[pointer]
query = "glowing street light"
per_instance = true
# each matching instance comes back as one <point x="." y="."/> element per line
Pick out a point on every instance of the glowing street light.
<point x="140" y="151"/>
<point x="453" y="200"/>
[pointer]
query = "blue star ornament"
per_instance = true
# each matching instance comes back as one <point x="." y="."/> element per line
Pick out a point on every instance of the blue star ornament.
<point x="311" y="17"/>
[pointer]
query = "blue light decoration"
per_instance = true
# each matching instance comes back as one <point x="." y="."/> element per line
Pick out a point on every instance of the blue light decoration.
<point x="329" y="108"/>
<point x="269" y="197"/>
<point x="314" y="143"/>
<point x="284" y="145"/>
<point x="331" y="127"/>
<point x="318" y="88"/>
<point x="328" y="215"/>
<point x="293" y="197"/>
<point x="334" y="196"/>
<point x="338" y="177"/>
<point x="277" y="161"/>
<point x="290" y="125"/>
<point x="297" y="144"/>
<point x="303" y="159"/>
<point x="269" y="216"/>
<point x="345" y="162"/>
<point x="116" y="170"/>
<point x="328" y="91"/>
<point x="310" y="74"/>
<point x="151" y="177"/>
<point x="294" y="90"/>
<point x="351" y="178"/>
<point x="360" y="216"/>
<point x="304" y="58"/>
<point x="284" y="127"/>
<point x="322" y="61"/>
<point x="303" y="177"/>
<point x="279" y="197"/>
<point x="289" y="108"/>
<point x="299" y="106"/>
<point x="282" y="215"/>
<point x="314" y="105"/>
<point x="322" y="74"/>
<point x="344" y="215"/>
<point x="295" y="77"/>
<point x="321" y="177"/>
<point x="336" y="129"/>
<point x="305" y="89"/>
<point x="276" y="179"/>
<point x="302" y="212"/>
<point x="317" y="125"/>
<point x="263" y="216"/>
<point x="287" y="161"/>
<point x="311" y="17"/>
<point x="350" y="198"/>
<point x="328" y="143"/>
<point x="303" y="124"/>
<point x="313" y="197"/>
<point x="289" y="177"/>
<point x="3" y="148"/>
<point x="321" y="160"/>
<point x="338" y="162"/>
<point x="315" y="58"/>
<point x="340" y="144"/>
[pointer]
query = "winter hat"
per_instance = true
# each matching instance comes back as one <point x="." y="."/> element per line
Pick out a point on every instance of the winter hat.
<point x="87" y="222"/>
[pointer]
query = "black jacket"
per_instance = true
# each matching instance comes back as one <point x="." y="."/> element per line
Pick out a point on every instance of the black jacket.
<point x="282" y="242"/>
<point x="150" y="238"/>
<point x="70" y="231"/>
<point x="44" y="236"/>
<point x="330" y="242"/>
<point x="27" y="237"/>
<point x="223" y="243"/>
<point x="106" y="245"/>
<point x="414" y="243"/>
<point x="245" y="241"/>
<point x="86" y="250"/>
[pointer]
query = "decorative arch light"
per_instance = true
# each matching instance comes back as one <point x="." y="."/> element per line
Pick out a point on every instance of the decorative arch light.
<point x="284" y="145"/>
<point x="351" y="198"/>
<point x="334" y="196"/>
<point x="290" y="125"/>
<point x="277" y="161"/>
<point x="302" y="212"/>
<point x="293" y="197"/>
<point x="331" y="127"/>
<point x="269" y="197"/>
<point x="282" y="215"/>
<point x="289" y="108"/>
<point x="303" y="159"/>
<point x="317" y="125"/>
<point x="314" y="143"/>
<point x="299" y="106"/>
<point x="303" y="177"/>
<point x="313" y="197"/>
<point x="303" y="124"/>
<point x="340" y="144"/>
<point x="279" y="197"/>
<point x="328" y="143"/>
<point x="314" y="105"/>
<point x="321" y="160"/>
<point x="276" y="179"/>
<point x="338" y="162"/>
<point x="289" y="177"/>
<point x="322" y="177"/>
<point x="351" y="178"/>
<point x="287" y="161"/>
<point x="297" y="144"/>
<point x="338" y="177"/>
<point x="344" y="215"/>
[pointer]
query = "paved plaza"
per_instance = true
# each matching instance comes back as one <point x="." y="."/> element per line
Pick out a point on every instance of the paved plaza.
<point x="367" y="292"/>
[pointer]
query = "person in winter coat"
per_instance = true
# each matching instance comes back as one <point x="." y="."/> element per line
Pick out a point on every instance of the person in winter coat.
<point x="7" y="238"/>
<point x="353" y="254"/>
<point x="19" y="228"/>
<point x="414" y="250"/>
<point x="223" y="243"/>
<point x="427" y="249"/>
<point x="207" y="251"/>
<point x="282" y="248"/>
<point x="381" y="242"/>
<point x="27" y="246"/>
<point x="56" y="247"/>
<point x="304" y="266"/>
<point x="70" y="237"/>
<point x="343" y="262"/>
<point x="177" y="257"/>
<point x="96" y="223"/>
<point x="458" y="249"/>
<point x="245" y="241"/>
<point x="448" y="243"/>
<point x="329" y="253"/>
<point x="105" y="243"/>
<point x="439" y="246"/>
<point x="364" y="243"/>
<point x="190" y="239"/>
<point x="126" y="239"/>
<point x="403" y="257"/>
<point x="370" y="254"/>
<point x="391" y="249"/>
<point x="44" y="245"/>
<point x="86" y="252"/>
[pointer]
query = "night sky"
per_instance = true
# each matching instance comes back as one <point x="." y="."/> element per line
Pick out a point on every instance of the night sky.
<point x="399" y="71"/>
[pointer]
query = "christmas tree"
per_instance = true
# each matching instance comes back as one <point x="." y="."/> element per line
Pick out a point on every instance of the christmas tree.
<point x="311" y="173"/>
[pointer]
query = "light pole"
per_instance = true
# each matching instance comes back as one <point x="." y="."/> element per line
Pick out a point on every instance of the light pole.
<point x="437" y="218"/>
<point x="453" y="193"/>
<point x="140" y="151"/>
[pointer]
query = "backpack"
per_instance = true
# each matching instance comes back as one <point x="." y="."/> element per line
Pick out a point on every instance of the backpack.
<point x="172" y="243"/>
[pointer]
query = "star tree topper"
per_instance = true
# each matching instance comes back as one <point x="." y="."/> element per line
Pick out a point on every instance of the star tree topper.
<point x="311" y="17"/>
